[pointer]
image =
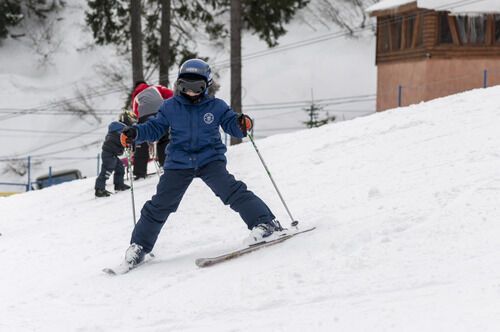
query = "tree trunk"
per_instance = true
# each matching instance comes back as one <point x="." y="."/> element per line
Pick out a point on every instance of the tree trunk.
<point x="236" y="60"/>
<point x="164" y="42"/>
<point x="136" y="40"/>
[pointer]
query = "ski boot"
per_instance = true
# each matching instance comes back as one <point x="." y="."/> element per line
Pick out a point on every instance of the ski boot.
<point x="134" y="255"/>
<point x="121" y="187"/>
<point x="102" y="193"/>
<point x="265" y="232"/>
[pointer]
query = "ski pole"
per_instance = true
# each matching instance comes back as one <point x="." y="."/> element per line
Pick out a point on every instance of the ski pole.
<point x="129" y="162"/>
<point x="294" y="222"/>
<point x="155" y="159"/>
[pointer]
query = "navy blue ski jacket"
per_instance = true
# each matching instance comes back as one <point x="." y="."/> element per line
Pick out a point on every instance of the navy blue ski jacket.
<point x="195" y="139"/>
<point x="112" y="141"/>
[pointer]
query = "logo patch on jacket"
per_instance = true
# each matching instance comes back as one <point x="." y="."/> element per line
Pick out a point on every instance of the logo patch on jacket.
<point x="208" y="118"/>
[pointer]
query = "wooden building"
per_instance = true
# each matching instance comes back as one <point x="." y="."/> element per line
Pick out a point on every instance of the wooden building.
<point x="433" y="48"/>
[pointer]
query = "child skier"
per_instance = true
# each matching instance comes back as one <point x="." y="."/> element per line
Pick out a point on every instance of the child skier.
<point x="111" y="149"/>
<point x="195" y="150"/>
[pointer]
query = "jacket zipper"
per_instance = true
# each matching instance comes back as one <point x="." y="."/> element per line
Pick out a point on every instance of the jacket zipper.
<point x="192" y="138"/>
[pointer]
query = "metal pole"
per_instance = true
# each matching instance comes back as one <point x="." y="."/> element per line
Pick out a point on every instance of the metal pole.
<point x="400" y="95"/>
<point x="155" y="159"/>
<point x="50" y="176"/>
<point x="485" y="79"/>
<point x="294" y="222"/>
<point x="128" y="153"/>
<point x="29" y="174"/>
<point x="98" y="163"/>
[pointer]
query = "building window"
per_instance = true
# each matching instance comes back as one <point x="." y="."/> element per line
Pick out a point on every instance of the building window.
<point x="497" y="29"/>
<point x="384" y="40"/>
<point x="419" y="35"/>
<point x="413" y="31"/>
<point x="395" y="27"/>
<point x="400" y="32"/>
<point x="471" y="29"/>
<point x="444" y="29"/>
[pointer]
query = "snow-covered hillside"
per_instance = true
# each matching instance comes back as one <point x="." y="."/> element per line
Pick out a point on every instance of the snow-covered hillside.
<point x="406" y="208"/>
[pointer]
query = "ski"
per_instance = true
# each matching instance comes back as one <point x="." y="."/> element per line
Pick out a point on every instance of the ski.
<point x="209" y="261"/>
<point x="124" y="267"/>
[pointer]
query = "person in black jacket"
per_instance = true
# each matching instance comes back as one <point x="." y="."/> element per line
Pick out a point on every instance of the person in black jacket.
<point x="111" y="149"/>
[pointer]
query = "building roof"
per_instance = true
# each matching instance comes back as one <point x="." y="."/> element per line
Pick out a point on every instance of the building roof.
<point x="453" y="6"/>
<point x="388" y="4"/>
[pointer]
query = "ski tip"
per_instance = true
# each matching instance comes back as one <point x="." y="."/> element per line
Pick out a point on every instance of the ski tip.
<point x="202" y="262"/>
<point x="108" y="271"/>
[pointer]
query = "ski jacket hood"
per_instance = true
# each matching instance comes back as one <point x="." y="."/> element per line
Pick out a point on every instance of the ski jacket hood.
<point x="195" y="138"/>
<point x="116" y="126"/>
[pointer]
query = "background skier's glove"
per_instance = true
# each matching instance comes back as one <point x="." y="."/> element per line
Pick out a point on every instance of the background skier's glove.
<point x="245" y="123"/>
<point x="128" y="136"/>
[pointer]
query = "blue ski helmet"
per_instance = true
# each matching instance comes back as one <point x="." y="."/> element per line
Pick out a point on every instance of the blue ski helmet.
<point x="195" y="69"/>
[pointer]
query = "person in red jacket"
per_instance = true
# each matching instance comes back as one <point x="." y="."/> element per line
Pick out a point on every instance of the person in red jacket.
<point x="146" y="101"/>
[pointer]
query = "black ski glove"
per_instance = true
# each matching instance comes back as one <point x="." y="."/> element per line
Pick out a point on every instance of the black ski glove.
<point x="128" y="136"/>
<point x="245" y="123"/>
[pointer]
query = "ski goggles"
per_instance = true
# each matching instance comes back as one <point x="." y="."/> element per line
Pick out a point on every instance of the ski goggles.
<point x="197" y="86"/>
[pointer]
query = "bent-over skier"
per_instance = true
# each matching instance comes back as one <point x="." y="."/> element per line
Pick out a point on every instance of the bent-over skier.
<point x="195" y="150"/>
<point x="111" y="149"/>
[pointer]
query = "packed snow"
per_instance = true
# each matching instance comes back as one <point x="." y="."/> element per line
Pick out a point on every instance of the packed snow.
<point x="454" y="6"/>
<point x="406" y="208"/>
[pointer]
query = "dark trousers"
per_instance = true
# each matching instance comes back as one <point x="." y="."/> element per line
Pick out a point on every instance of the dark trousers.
<point x="161" y="145"/>
<point x="141" y="158"/>
<point x="110" y="163"/>
<point x="141" y="153"/>
<point x="174" y="183"/>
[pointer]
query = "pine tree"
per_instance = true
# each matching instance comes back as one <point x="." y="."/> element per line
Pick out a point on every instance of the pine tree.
<point x="136" y="41"/>
<point x="187" y="19"/>
<point x="10" y="15"/>
<point x="313" y="114"/>
<point x="109" y="21"/>
<point x="164" y="52"/>
<point x="264" y="17"/>
<point x="14" y="12"/>
<point x="235" y="62"/>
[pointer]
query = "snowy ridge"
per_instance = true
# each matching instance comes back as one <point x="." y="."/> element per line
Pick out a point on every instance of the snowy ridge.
<point x="406" y="205"/>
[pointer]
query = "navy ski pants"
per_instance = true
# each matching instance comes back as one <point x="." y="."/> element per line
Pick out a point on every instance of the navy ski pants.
<point x="174" y="183"/>
<point x="110" y="163"/>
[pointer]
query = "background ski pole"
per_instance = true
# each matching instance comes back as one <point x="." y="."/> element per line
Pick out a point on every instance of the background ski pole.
<point x="155" y="159"/>
<point x="129" y="170"/>
<point x="294" y="222"/>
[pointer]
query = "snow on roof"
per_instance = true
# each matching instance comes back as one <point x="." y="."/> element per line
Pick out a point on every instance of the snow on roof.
<point x="454" y="6"/>
<point x="388" y="4"/>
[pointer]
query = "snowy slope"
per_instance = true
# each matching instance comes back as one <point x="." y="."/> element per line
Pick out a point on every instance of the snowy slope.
<point x="406" y="205"/>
